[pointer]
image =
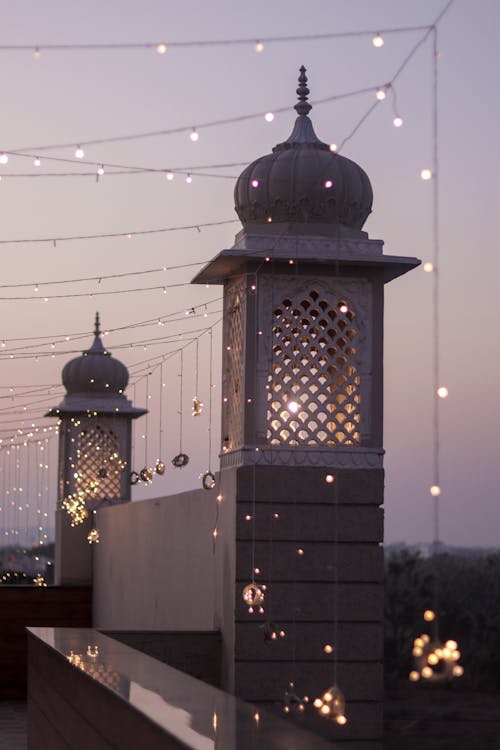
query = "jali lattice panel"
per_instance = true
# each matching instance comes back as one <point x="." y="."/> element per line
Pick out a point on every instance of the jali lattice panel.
<point x="234" y="366"/>
<point x="314" y="384"/>
<point x="98" y="464"/>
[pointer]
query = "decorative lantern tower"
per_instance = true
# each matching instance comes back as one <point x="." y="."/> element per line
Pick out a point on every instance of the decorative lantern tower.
<point x="301" y="462"/>
<point x="95" y="425"/>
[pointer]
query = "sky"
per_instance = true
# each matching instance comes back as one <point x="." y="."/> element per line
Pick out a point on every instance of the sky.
<point x="68" y="97"/>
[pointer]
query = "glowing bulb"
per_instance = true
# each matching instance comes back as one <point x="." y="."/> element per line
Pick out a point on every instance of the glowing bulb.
<point x="428" y="267"/>
<point x="300" y="551"/>
<point x="417" y="651"/>
<point x="35" y="288"/>
<point x="254" y="183"/>
<point x="341" y="720"/>
<point x="325" y="709"/>
<point x="328" y="184"/>
<point x="380" y="94"/>
<point x="426" y="174"/>
<point x="317" y="703"/>
<point x="293" y="407"/>
<point x="452" y="645"/>
<point x="333" y="147"/>
<point x="427" y="672"/>
<point x="435" y="490"/>
<point x="189" y="179"/>
<point x="414" y="676"/>
<point x="194" y="135"/>
<point x="3" y="158"/>
<point x="433" y="659"/>
<point x="343" y="308"/>
<point x="269" y="117"/>
<point x="418" y="642"/>
<point x="259" y="47"/>
<point x="36" y="53"/>
<point x="397" y="122"/>
<point x="442" y="391"/>
<point x="457" y="670"/>
<point x="329" y="479"/>
<point x="378" y="40"/>
<point x="169" y="175"/>
<point x="161" y="48"/>
<point x="36" y="162"/>
<point x="328" y="649"/>
<point x="429" y="615"/>
<point x="100" y="171"/>
<point x="79" y="152"/>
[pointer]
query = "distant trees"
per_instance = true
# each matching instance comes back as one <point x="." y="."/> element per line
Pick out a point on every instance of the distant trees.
<point x="468" y="609"/>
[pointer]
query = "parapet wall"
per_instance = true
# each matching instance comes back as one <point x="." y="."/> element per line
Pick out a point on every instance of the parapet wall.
<point x="154" y="564"/>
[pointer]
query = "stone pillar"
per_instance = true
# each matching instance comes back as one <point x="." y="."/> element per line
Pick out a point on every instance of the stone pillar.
<point x="301" y="470"/>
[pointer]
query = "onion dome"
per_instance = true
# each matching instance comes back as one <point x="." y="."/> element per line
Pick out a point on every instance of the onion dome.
<point x="96" y="371"/>
<point x="303" y="180"/>
<point x="95" y="381"/>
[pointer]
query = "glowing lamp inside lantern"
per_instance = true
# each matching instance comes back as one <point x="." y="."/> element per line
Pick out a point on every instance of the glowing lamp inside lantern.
<point x="293" y="407"/>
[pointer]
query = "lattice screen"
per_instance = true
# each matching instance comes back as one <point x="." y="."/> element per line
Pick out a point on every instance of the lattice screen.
<point x="98" y="466"/>
<point x="314" y="386"/>
<point x="234" y="362"/>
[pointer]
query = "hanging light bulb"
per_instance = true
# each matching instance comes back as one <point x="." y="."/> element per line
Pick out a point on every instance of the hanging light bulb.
<point x="79" y="152"/>
<point x="197" y="407"/>
<point x="194" y="135"/>
<point x="254" y="183"/>
<point x="435" y="490"/>
<point x="269" y="117"/>
<point x="378" y="40"/>
<point x="442" y="391"/>
<point x="380" y="94"/>
<point x="398" y="121"/>
<point x="428" y="267"/>
<point x="100" y="171"/>
<point x="4" y="158"/>
<point x="36" y="162"/>
<point x="36" y="53"/>
<point x="189" y="179"/>
<point x="161" y="48"/>
<point x="333" y="147"/>
<point x="169" y="175"/>
<point x="259" y="47"/>
<point x="426" y="174"/>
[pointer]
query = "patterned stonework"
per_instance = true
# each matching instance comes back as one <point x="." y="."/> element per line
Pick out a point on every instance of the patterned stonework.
<point x="233" y="380"/>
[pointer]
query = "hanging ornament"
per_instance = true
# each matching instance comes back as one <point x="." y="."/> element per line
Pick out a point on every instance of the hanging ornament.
<point x="160" y="467"/>
<point x="133" y="477"/>
<point x="253" y="596"/>
<point x="271" y="631"/>
<point x="331" y="705"/>
<point x="291" y="701"/>
<point x="208" y="480"/>
<point x="180" y="460"/>
<point x="146" y="475"/>
<point x="197" y="407"/>
<point x="93" y="536"/>
<point x="74" y="505"/>
<point x="435" y="662"/>
<point x="39" y="580"/>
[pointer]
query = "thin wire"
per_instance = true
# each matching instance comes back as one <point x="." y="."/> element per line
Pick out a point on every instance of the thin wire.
<point x="160" y="441"/>
<point x="181" y="399"/>
<point x="146" y="427"/>
<point x="436" y="285"/>
<point x="210" y="398"/>
<point x="140" y="233"/>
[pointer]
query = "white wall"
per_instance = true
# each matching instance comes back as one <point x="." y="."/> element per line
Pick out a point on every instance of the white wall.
<point x="154" y="565"/>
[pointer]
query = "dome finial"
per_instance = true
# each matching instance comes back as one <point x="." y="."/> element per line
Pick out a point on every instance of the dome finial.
<point x="302" y="107"/>
<point x="97" y="329"/>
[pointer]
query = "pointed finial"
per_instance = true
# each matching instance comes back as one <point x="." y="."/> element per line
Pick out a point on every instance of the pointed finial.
<point x="302" y="107"/>
<point x="97" y="329"/>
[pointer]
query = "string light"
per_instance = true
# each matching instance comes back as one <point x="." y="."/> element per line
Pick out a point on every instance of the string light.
<point x="442" y="392"/>
<point x="194" y="135"/>
<point x="333" y="147"/>
<point x="79" y="152"/>
<point x="37" y="162"/>
<point x="380" y="94"/>
<point x="189" y="179"/>
<point x="269" y="117"/>
<point x="397" y="121"/>
<point x="435" y="490"/>
<point x="426" y="174"/>
<point x="161" y="48"/>
<point x="378" y="40"/>
<point x="3" y="158"/>
<point x="100" y="171"/>
<point x="259" y="47"/>
<point x="428" y="267"/>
